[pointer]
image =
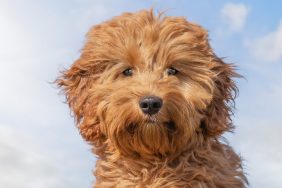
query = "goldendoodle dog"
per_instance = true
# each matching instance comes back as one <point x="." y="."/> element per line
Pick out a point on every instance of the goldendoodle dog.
<point x="153" y="99"/>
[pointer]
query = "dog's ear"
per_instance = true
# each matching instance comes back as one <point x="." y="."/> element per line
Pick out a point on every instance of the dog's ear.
<point x="76" y="83"/>
<point x="218" y="114"/>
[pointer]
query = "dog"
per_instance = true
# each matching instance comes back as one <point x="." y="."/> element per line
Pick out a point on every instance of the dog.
<point x="153" y="99"/>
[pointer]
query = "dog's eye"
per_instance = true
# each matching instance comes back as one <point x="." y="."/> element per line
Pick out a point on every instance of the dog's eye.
<point x="127" y="72"/>
<point x="171" y="71"/>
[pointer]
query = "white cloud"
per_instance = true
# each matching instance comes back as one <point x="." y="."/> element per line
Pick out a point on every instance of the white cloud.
<point x="268" y="47"/>
<point x="34" y="42"/>
<point x="39" y="145"/>
<point x="234" y="15"/>
<point x="26" y="164"/>
<point x="260" y="148"/>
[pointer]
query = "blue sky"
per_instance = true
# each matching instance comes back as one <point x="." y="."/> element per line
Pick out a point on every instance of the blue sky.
<point x="39" y="144"/>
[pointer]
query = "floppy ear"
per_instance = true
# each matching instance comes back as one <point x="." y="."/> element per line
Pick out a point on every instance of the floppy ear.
<point x="76" y="83"/>
<point x="217" y="116"/>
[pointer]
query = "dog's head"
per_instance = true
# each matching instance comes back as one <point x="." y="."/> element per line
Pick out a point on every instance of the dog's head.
<point x="147" y="85"/>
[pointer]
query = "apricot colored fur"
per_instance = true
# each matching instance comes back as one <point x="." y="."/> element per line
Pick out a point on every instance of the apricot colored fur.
<point x="137" y="150"/>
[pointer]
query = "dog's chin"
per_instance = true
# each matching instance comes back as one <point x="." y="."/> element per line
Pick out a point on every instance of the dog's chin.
<point x="159" y="135"/>
<point x="150" y="123"/>
<point x="149" y="138"/>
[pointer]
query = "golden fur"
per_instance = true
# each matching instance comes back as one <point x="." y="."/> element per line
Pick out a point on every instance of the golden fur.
<point x="137" y="150"/>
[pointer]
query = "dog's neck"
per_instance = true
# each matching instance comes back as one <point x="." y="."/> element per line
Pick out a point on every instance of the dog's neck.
<point x="212" y="159"/>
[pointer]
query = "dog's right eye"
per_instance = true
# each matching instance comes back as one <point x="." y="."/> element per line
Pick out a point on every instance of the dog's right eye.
<point x="171" y="71"/>
<point x="127" y="72"/>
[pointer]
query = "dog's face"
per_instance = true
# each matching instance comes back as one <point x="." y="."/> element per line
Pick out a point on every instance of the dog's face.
<point x="148" y="86"/>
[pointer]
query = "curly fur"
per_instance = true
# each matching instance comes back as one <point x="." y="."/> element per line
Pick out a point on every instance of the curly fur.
<point x="137" y="150"/>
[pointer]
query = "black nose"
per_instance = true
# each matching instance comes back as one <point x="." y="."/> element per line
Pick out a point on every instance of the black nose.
<point x="151" y="104"/>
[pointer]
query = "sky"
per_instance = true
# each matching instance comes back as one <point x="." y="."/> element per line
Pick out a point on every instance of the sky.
<point x="40" y="146"/>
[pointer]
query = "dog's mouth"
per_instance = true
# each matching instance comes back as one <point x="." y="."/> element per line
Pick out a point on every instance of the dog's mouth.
<point x="169" y="125"/>
<point x="131" y="128"/>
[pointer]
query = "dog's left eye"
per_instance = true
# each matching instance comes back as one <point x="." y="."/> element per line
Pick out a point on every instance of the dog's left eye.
<point x="127" y="72"/>
<point x="171" y="71"/>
